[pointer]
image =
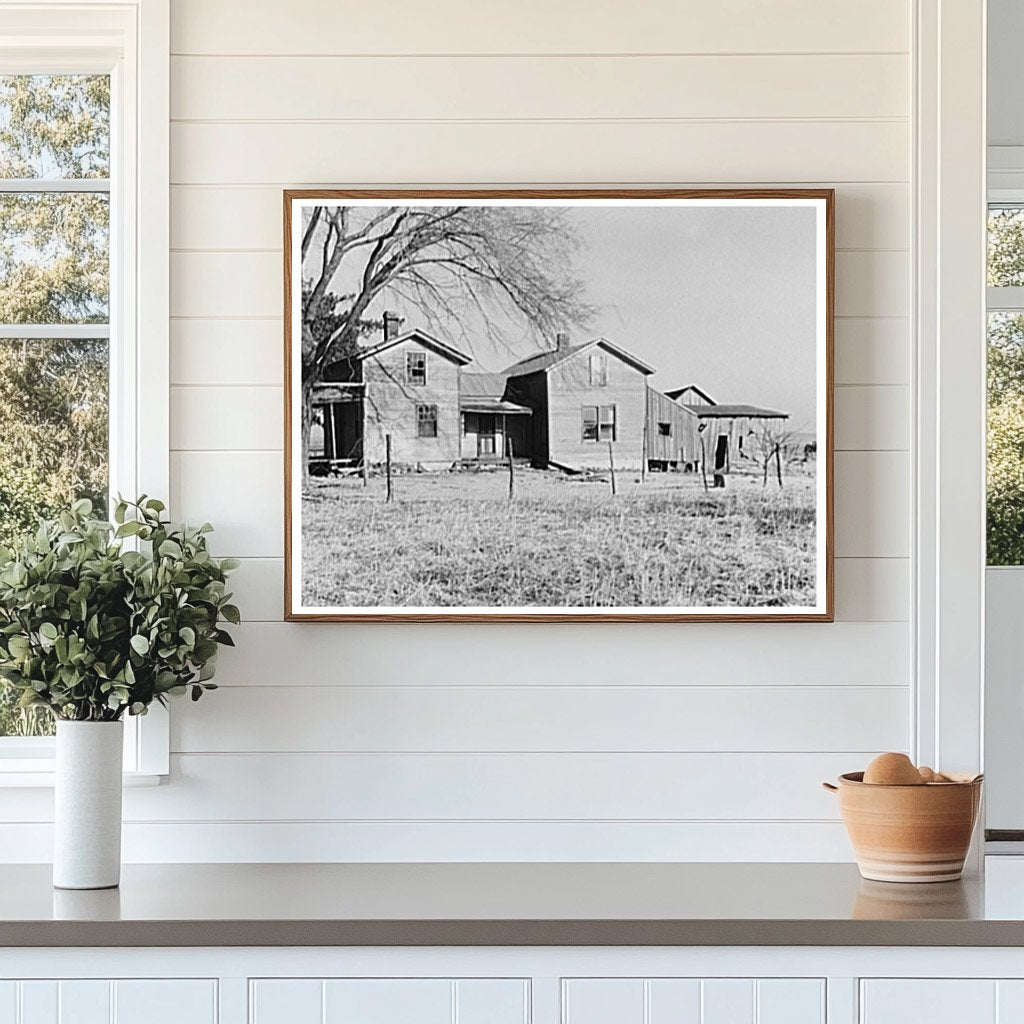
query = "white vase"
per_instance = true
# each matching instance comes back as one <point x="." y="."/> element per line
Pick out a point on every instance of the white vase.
<point x="87" y="805"/>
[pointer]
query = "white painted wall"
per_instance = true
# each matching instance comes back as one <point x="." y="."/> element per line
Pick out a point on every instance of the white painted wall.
<point x="604" y="742"/>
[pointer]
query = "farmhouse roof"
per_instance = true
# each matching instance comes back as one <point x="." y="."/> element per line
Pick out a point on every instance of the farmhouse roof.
<point x="725" y="412"/>
<point x="546" y="360"/>
<point x="676" y="392"/>
<point x="485" y="392"/>
<point x="427" y="340"/>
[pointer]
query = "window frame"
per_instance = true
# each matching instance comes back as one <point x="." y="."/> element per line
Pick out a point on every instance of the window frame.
<point x="664" y="429"/>
<point x="131" y="43"/>
<point x="602" y="423"/>
<point x="596" y="439"/>
<point x="421" y="420"/>
<point x="410" y="376"/>
<point x="599" y="360"/>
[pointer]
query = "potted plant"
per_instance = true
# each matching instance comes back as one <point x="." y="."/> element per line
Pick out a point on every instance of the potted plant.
<point x="99" y="620"/>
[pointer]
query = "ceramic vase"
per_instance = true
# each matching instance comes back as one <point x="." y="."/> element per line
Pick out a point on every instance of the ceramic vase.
<point x="87" y="806"/>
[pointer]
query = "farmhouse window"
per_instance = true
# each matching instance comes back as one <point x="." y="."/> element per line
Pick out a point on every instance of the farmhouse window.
<point x="590" y="422"/>
<point x="598" y="370"/>
<point x="416" y="368"/>
<point x="608" y="424"/>
<point x="426" y="421"/>
<point x="664" y="430"/>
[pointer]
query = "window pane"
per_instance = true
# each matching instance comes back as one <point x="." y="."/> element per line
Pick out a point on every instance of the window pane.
<point x="1005" y="439"/>
<point x="1005" y="246"/>
<point x="54" y="126"/>
<point x="54" y="258"/>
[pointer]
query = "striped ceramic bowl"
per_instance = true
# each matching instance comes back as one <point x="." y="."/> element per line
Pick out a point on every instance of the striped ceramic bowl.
<point x="909" y="833"/>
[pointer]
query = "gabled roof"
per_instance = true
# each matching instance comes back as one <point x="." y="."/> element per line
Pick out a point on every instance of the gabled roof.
<point x="488" y="385"/>
<point x="426" y="340"/>
<point x="546" y="360"/>
<point x="725" y="412"/>
<point x="676" y="392"/>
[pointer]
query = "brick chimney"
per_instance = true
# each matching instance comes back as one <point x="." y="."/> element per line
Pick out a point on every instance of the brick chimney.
<point x="392" y="325"/>
<point x="561" y="340"/>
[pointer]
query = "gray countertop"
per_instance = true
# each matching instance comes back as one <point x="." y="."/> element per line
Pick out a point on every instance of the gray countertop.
<point x="503" y="904"/>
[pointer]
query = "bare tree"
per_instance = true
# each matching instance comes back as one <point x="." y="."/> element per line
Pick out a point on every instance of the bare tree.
<point x="772" y="443"/>
<point x="511" y="262"/>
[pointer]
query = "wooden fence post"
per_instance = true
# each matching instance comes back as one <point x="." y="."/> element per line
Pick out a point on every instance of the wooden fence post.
<point x="611" y="466"/>
<point x="643" y="455"/>
<point x="511" y="469"/>
<point x="778" y="464"/>
<point x="387" y="448"/>
<point x="703" y="463"/>
<point x="366" y="467"/>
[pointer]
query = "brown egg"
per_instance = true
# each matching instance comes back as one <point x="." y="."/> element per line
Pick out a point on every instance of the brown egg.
<point x="893" y="770"/>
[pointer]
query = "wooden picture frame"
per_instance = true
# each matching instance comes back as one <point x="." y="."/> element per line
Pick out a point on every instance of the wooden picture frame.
<point x="344" y="399"/>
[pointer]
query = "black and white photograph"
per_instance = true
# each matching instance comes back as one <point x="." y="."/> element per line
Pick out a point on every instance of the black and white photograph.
<point x="564" y="405"/>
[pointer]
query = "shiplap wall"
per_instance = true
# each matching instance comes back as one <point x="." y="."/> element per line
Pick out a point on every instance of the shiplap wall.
<point x="689" y="741"/>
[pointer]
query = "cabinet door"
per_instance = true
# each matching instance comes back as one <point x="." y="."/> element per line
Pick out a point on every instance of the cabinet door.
<point x="99" y="1001"/>
<point x="941" y="1001"/>
<point x="388" y="1001"/>
<point x="693" y="1001"/>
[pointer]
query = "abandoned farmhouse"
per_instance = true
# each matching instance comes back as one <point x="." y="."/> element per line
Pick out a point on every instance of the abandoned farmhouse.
<point x="560" y="408"/>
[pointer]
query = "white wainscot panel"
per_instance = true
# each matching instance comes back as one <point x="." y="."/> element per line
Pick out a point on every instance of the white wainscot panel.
<point x="873" y="418"/>
<point x="227" y="352"/>
<point x="537" y="26"/>
<point x="388" y="1001"/>
<point x="539" y="87"/>
<point x="227" y="418"/>
<point x="872" y="504"/>
<point x="142" y="1001"/>
<point x="931" y="1001"/>
<point x="872" y="283"/>
<point x="263" y="153"/>
<point x="868" y="216"/>
<point x="693" y="1001"/>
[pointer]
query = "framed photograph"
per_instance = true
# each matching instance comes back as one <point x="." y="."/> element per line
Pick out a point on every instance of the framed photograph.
<point x="558" y="405"/>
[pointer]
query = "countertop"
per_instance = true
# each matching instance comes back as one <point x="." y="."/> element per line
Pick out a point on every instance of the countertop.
<point x="509" y="904"/>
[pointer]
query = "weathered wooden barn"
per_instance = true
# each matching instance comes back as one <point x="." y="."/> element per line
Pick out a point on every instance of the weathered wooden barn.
<point x="562" y="408"/>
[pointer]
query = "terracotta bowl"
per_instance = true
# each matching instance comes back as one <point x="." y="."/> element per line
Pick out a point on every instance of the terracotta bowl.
<point x="909" y="833"/>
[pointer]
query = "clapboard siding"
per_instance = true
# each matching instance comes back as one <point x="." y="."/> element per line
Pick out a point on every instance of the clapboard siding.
<point x="868" y="216"/>
<point x="538" y="88"/>
<point x="524" y="719"/>
<point x="536" y="26"/>
<point x="672" y="741"/>
<point x="247" y="283"/>
<point x="844" y="654"/>
<point x="550" y="151"/>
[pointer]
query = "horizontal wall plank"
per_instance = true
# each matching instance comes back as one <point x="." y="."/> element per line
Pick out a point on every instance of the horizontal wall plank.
<point x="552" y="718"/>
<point x="227" y="352"/>
<point x="241" y="418"/>
<point x="234" y="418"/>
<point x="376" y="787"/>
<point x="872" y="589"/>
<point x="866" y="418"/>
<point x="867" y="589"/>
<point x="872" y="504"/>
<point x="538" y="88"/>
<point x="872" y="350"/>
<point x="868" y="216"/>
<point x="239" y="284"/>
<point x="873" y="283"/>
<point x="242" y="494"/>
<point x="461" y="842"/>
<point x="534" y="26"/>
<point x="651" y="654"/>
<point x="572" y="151"/>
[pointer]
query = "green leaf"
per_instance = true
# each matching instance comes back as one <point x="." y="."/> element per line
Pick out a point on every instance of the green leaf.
<point x="48" y="630"/>
<point x="140" y="644"/>
<point x="170" y="549"/>
<point x="231" y="613"/>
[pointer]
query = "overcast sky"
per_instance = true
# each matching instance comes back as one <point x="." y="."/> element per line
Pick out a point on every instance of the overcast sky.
<point x="721" y="297"/>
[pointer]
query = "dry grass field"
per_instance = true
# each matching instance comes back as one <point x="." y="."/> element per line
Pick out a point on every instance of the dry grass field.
<point x="452" y="539"/>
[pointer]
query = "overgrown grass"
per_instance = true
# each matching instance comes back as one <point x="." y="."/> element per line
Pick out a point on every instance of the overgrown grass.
<point x="455" y="540"/>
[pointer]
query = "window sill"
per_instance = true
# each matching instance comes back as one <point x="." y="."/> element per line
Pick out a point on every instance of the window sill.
<point x="39" y="773"/>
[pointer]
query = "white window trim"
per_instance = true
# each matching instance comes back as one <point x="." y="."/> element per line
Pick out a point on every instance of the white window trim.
<point x="131" y="41"/>
<point x="949" y="443"/>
